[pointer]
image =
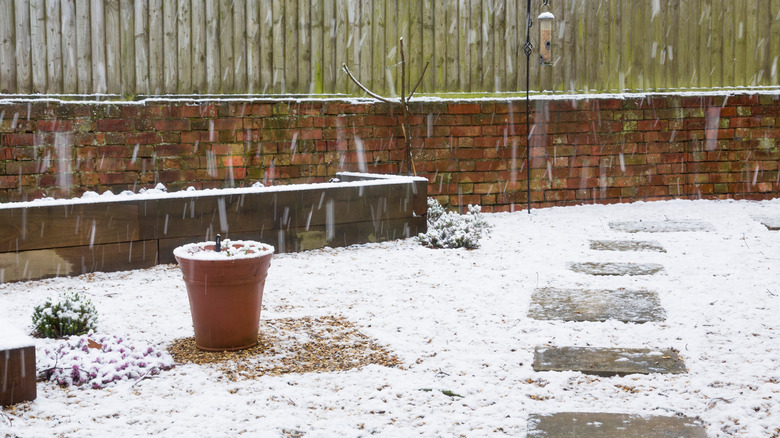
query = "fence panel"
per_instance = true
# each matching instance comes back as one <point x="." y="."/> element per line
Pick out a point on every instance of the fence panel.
<point x="141" y="47"/>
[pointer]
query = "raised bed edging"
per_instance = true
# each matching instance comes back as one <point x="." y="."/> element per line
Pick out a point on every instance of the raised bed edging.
<point x="40" y="241"/>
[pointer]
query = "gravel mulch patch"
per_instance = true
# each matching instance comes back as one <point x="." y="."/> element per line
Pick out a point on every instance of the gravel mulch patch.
<point x="292" y="345"/>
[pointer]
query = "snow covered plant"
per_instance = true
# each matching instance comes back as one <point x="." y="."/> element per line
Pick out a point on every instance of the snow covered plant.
<point x="71" y="314"/>
<point x="447" y="229"/>
<point x="234" y="248"/>
<point x="81" y="360"/>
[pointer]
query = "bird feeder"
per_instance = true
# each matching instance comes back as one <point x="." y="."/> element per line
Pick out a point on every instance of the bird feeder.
<point x="545" y="36"/>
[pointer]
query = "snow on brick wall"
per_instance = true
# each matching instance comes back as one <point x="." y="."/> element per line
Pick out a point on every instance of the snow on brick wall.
<point x="600" y="149"/>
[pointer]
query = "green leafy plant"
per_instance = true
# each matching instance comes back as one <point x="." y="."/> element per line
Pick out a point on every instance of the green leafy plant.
<point x="71" y="314"/>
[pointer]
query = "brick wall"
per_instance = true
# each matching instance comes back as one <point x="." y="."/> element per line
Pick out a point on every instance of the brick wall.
<point x="582" y="150"/>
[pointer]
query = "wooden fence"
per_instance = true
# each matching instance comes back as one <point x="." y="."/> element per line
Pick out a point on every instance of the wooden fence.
<point x="151" y="47"/>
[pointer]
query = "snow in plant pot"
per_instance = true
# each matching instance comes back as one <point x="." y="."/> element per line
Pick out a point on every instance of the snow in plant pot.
<point x="225" y="282"/>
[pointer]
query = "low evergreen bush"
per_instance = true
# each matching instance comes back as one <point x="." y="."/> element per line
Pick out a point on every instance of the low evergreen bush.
<point x="71" y="314"/>
<point x="447" y="229"/>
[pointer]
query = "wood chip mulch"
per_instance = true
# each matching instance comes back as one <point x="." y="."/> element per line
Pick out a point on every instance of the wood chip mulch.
<point x="292" y="345"/>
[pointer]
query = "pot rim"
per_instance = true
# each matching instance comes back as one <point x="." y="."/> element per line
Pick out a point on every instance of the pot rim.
<point x="205" y="250"/>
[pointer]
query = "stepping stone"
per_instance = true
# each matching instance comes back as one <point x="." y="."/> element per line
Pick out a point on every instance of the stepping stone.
<point x="616" y="268"/>
<point x="669" y="226"/>
<point x="601" y="425"/>
<point x="626" y="245"/>
<point x="608" y="361"/>
<point x="772" y="223"/>
<point x="638" y="306"/>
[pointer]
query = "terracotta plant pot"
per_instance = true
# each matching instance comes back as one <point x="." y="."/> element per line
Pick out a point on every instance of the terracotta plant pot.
<point x="225" y="290"/>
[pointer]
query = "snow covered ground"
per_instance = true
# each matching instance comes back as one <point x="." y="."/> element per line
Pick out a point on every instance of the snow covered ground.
<point x="457" y="319"/>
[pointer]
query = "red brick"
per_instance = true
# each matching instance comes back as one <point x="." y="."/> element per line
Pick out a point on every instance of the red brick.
<point x="171" y="125"/>
<point x="464" y="108"/>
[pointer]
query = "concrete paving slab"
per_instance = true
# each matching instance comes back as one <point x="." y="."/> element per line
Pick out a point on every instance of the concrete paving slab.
<point x="608" y="268"/>
<point x="771" y="222"/>
<point x="637" y="306"/>
<point x="608" y="361"/>
<point x="626" y="245"/>
<point x="604" y="425"/>
<point x="668" y="226"/>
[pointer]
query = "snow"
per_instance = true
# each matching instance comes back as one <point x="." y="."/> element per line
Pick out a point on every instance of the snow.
<point x="231" y="249"/>
<point x="12" y="337"/>
<point x="160" y="191"/>
<point x="441" y="97"/>
<point x="457" y="319"/>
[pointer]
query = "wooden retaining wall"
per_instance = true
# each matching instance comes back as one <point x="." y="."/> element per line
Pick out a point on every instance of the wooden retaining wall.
<point x="69" y="239"/>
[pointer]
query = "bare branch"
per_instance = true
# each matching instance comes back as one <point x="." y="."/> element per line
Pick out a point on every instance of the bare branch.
<point x="419" y="81"/>
<point x="375" y="96"/>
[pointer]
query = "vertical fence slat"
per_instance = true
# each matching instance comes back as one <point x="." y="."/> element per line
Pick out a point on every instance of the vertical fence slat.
<point x="315" y="53"/>
<point x="438" y="68"/>
<point x="83" y="47"/>
<point x="764" y="23"/>
<point x="451" y="42"/>
<point x="428" y="43"/>
<point x="364" y="43"/>
<point x="330" y="68"/>
<point x="464" y="44"/>
<point x="305" y="83"/>
<point x="97" y="19"/>
<point x="53" y="47"/>
<point x="754" y="59"/>
<point x="225" y="47"/>
<point x="113" y="35"/>
<point x="414" y="48"/>
<point x="740" y="40"/>
<point x="127" y="46"/>
<point x="23" y="44"/>
<point x="7" y="48"/>
<point x="290" y="46"/>
<point x="141" y="37"/>
<point x="682" y="22"/>
<point x="267" y="49"/>
<point x="184" y="46"/>
<point x="38" y="46"/>
<point x="69" y="46"/>
<point x="157" y="37"/>
<point x="239" y="47"/>
<point x="253" y="51"/>
<point x="692" y="43"/>
<point x="213" y="68"/>
<point x="510" y="60"/>
<point x="339" y="45"/>
<point x="392" y="86"/>
<point x="170" y="47"/>
<point x="482" y="60"/>
<point x="705" y="27"/>
<point x="774" y="43"/>
<point x="603" y="71"/>
<point x="197" y="42"/>
<point x="279" y="84"/>
<point x="499" y="46"/>
<point x="378" y="47"/>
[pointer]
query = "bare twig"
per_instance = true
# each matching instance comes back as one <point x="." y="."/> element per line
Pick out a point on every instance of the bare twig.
<point x="403" y="100"/>
<point x="418" y="81"/>
<point x="375" y="96"/>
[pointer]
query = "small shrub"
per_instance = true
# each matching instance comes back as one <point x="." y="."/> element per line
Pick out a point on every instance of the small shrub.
<point x="80" y="360"/>
<point x="451" y="230"/>
<point x="71" y="314"/>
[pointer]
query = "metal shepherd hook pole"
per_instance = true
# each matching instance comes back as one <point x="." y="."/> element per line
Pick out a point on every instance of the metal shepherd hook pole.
<point x="527" y="49"/>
